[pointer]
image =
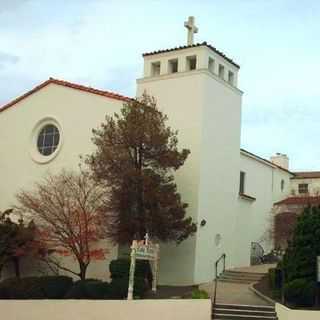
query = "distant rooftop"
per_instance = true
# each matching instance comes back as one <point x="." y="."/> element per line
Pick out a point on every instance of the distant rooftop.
<point x="194" y="46"/>
<point x="306" y="174"/>
<point x="302" y="200"/>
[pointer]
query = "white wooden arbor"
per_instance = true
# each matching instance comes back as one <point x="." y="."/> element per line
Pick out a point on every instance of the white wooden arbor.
<point x="144" y="250"/>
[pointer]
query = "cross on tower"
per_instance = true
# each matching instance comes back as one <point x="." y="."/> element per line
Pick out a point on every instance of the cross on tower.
<point x="192" y="29"/>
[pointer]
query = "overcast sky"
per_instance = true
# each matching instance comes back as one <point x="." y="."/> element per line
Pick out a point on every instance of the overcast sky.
<point x="99" y="43"/>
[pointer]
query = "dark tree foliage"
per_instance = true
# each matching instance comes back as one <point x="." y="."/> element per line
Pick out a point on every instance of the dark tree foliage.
<point x="300" y="260"/>
<point x="136" y="155"/>
<point x="17" y="240"/>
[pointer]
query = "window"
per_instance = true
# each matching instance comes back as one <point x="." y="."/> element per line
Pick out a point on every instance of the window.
<point x="303" y="188"/>
<point x="231" y="77"/>
<point x="191" y="63"/>
<point x="282" y="185"/>
<point x="211" y="65"/>
<point x="155" y="68"/>
<point x="48" y="139"/>
<point x="242" y="182"/>
<point x="221" y="71"/>
<point x="173" y="66"/>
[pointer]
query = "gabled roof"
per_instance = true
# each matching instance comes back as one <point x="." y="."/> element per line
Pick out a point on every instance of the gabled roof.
<point x="267" y="162"/>
<point x="302" y="200"/>
<point x="194" y="46"/>
<point x="71" y="85"/>
<point x="307" y="175"/>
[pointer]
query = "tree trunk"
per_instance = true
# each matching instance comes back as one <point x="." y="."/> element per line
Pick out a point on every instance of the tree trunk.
<point x="83" y="270"/>
<point x="16" y="263"/>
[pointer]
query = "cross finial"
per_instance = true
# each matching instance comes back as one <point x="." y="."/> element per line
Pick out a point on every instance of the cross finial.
<point x="192" y="29"/>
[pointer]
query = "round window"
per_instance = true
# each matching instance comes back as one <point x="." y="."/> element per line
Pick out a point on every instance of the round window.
<point x="48" y="139"/>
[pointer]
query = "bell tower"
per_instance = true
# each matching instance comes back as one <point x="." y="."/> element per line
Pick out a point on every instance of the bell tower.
<point x="196" y="85"/>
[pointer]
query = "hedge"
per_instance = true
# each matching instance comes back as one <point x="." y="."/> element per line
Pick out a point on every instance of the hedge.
<point x="300" y="292"/>
<point x="46" y="287"/>
<point x="88" y="289"/>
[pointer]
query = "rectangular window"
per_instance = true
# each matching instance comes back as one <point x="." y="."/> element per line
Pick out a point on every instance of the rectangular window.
<point x="242" y="182"/>
<point x="155" y="68"/>
<point x="173" y="66"/>
<point x="231" y="77"/>
<point x="303" y="188"/>
<point x="211" y="65"/>
<point x="221" y="71"/>
<point x="191" y="63"/>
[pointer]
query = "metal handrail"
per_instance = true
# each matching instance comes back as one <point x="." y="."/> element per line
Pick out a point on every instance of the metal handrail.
<point x="222" y="257"/>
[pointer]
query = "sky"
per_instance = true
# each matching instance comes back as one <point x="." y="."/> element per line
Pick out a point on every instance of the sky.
<point x="99" y="43"/>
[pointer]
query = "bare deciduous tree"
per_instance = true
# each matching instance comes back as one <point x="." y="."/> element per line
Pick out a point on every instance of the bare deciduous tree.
<point x="68" y="208"/>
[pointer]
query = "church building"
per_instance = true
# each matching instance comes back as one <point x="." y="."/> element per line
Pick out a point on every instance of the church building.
<point x="230" y="191"/>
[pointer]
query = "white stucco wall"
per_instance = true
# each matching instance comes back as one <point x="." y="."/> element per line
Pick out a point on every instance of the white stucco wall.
<point x="313" y="186"/>
<point x="219" y="174"/>
<point x="285" y="313"/>
<point x="263" y="182"/>
<point x="77" y="113"/>
<point x="106" y="309"/>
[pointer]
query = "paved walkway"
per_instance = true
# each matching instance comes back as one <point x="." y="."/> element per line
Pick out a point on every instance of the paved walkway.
<point x="238" y="293"/>
<point x="261" y="268"/>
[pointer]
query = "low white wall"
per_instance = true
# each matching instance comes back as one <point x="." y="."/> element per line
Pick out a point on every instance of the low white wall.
<point x="105" y="309"/>
<point x="285" y="313"/>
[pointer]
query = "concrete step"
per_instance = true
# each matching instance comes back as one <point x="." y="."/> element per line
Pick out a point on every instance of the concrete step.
<point x="240" y="277"/>
<point x="245" y="312"/>
<point x="234" y="280"/>
<point x="221" y="316"/>
<point x="242" y="312"/>
<point x="244" y="307"/>
<point x="245" y="274"/>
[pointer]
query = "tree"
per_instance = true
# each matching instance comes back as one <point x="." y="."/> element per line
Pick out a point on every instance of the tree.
<point x="284" y="224"/>
<point x="17" y="240"/>
<point x="301" y="255"/>
<point x="136" y="155"/>
<point x="68" y="207"/>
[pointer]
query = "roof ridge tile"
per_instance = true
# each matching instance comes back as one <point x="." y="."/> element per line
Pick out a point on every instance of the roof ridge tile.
<point x="68" y="84"/>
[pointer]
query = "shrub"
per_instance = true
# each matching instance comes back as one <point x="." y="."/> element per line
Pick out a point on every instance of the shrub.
<point x="199" y="294"/>
<point x="300" y="292"/>
<point x="275" y="278"/>
<point x="120" y="268"/>
<point x="119" y="288"/>
<point x="88" y="289"/>
<point x="300" y="258"/>
<point x="47" y="287"/>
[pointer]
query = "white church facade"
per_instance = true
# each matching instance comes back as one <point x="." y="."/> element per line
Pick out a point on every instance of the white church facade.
<point x="230" y="191"/>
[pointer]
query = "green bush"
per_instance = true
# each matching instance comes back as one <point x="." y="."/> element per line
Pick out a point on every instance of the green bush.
<point x="300" y="258"/>
<point x="120" y="268"/>
<point x="275" y="278"/>
<point x="119" y="288"/>
<point x="88" y="289"/>
<point x="199" y="294"/>
<point x="300" y="293"/>
<point x="47" y="287"/>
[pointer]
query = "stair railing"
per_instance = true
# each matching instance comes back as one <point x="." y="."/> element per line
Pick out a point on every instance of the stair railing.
<point x="223" y="259"/>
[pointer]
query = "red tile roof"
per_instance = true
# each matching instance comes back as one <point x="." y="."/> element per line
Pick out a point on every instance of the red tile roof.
<point x="306" y="174"/>
<point x="302" y="200"/>
<point x="193" y="46"/>
<point x="103" y="93"/>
